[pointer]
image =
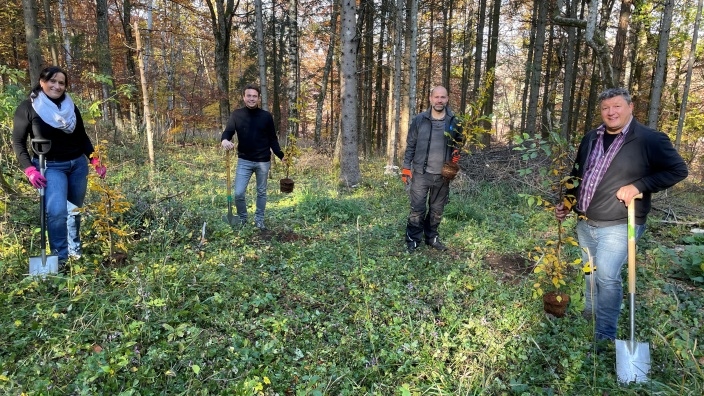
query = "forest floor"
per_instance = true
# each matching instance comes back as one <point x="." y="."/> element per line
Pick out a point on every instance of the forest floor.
<point x="327" y="301"/>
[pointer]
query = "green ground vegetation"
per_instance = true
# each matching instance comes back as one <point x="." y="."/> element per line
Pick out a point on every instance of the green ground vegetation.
<point x="326" y="301"/>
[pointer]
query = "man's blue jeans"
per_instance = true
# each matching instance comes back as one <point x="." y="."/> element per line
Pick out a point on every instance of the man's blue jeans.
<point x="244" y="172"/>
<point x="608" y="247"/>
<point x="67" y="181"/>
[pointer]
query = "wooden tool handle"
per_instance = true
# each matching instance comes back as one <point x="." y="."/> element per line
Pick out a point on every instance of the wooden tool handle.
<point x="632" y="244"/>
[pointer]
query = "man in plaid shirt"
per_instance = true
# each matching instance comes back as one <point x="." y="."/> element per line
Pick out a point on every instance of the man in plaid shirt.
<point x="615" y="162"/>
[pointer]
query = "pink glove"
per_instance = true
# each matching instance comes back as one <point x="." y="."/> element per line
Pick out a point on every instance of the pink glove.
<point x="99" y="169"/>
<point x="35" y="177"/>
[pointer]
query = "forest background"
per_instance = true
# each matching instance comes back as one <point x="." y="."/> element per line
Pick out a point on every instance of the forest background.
<point x="155" y="81"/>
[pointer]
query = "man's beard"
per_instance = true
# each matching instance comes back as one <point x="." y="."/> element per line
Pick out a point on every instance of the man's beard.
<point x="441" y="108"/>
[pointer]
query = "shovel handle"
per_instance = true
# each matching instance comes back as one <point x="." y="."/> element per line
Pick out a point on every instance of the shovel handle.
<point x="229" y="177"/>
<point x="632" y="244"/>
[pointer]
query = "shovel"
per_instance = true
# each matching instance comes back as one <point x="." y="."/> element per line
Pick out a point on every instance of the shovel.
<point x="42" y="265"/>
<point x="632" y="358"/>
<point x="230" y="218"/>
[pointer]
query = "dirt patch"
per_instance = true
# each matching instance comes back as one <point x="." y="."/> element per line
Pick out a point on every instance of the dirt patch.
<point x="512" y="266"/>
<point x="280" y="236"/>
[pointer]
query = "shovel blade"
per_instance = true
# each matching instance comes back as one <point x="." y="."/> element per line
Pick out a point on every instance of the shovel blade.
<point x="40" y="267"/>
<point x="632" y="361"/>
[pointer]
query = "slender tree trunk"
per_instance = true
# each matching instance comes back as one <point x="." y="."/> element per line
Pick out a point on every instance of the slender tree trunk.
<point x="145" y="98"/>
<point x="548" y="93"/>
<point x="529" y="65"/>
<point x="51" y="34"/>
<point x="621" y="34"/>
<point x="221" y="14"/>
<point x="688" y="77"/>
<point x="293" y="85"/>
<point x="129" y="59"/>
<point x="326" y="73"/>
<point x="349" y="159"/>
<point x="65" y="34"/>
<point x="393" y="144"/>
<point x="569" y="74"/>
<point x="413" y="58"/>
<point x="381" y="95"/>
<point x="261" y="55"/>
<point x="104" y="57"/>
<point x="491" y="68"/>
<point x="466" y="57"/>
<point x="277" y="57"/>
<point x="537" y="68"/>
<point x="31" y="33"/>
<point x="661" y="64"/>
<point x="479" y="48"/>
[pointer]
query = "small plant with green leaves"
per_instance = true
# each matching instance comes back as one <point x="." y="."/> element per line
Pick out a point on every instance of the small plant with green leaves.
<point x="112" y="234"/>
<point x="291" y="152"/>
<point x="551" y="267"/>
<point x="474" y="123"/>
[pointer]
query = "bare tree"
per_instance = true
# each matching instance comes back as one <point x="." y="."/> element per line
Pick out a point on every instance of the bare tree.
<point x="349" y="160"/>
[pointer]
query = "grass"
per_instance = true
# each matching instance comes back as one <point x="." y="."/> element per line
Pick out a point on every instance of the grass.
<point x="326" y="302"/>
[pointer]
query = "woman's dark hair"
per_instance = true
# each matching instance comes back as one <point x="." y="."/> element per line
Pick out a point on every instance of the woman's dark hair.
<point x="46" y="74"/>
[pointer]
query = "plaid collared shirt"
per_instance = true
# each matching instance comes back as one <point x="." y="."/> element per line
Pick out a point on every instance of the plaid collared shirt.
<point x="598" y="163"/>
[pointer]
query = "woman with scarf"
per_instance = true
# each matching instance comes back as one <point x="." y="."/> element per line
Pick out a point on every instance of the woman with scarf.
<point x="49" y="113"/>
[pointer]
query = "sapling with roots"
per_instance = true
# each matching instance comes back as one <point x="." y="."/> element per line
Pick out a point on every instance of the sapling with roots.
<point x="112" y="235"/>
<point x="551" y="267"/>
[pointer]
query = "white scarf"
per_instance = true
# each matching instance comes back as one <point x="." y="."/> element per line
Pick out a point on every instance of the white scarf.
<point x="63" y="118"/>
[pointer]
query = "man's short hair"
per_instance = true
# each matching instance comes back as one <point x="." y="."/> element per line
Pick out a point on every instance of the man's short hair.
<point x="252" y="86"/>
<point x="614" y="92"/>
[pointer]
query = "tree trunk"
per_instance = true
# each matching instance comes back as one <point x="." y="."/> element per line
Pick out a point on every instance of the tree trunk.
<point x="349" y="160"/>
<point x="129" y="58"/>
<point x="393" y="143"/>
<point x="221" y="13"/>
<point x="479" y="48"/>
<point x="491" y="68"/>
<point x="529" y="65"/>
<point x="65" y="34"/>
<point x="413" y="58"/>
<point x="31" y="33"/>
<point x="51" y="34"/>
<point x="537" y="68"/>
<point x="145" y="99"/>
<point x="571" y="50"/>
<point x="261" y="55"/>
<point x="293" y="85"/>
<point x="661" y="64"/>
<point x="466" y="57"/>
<point x="688" y="77"/>
<point x="621" y="34"/>
<point x="104" y="57"/>
<point x="326" y="73"/>
<point x="381" y="94"/>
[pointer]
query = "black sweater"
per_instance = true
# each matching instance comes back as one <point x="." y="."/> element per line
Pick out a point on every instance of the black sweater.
<point x="256" y="134"/>
<point x="647" y="160"/>
<point x="64" y="146"/>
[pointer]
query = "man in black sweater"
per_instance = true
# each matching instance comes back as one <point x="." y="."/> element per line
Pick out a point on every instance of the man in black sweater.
<point x="256" y="137"/>
<point x="615" y="162"/>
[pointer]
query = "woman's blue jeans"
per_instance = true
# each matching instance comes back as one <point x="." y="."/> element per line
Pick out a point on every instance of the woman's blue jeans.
<point x="243" y="174"/>
<point x="67" y="181"/>
<point x="608" y="247"/>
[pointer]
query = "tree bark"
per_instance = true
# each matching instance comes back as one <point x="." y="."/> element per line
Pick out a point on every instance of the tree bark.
<point x="326" y="74"/>
<point x="688" y="77"/>
<point x="31" y="33"/>
<point x="145" y="99"/>
<point x="221" y="14"/>
<point x="261" y="55"/>
<point x="50" y="32"/>
<point x="620" y="46"/>
<point x="479" y="48"/>
<point x="661" y="64"/>
<point x="349" y="160"/>
<point x="104" y="57"/>
<point x="536" y="68"/>
<point x="293" y="84"/>
<point x="64" y="31"/>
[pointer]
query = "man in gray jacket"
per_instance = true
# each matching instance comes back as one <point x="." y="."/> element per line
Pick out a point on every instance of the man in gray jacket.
<point x="433" y="138"/>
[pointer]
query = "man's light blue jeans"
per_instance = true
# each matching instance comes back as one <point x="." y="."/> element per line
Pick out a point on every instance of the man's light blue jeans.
<point x="67" y="181"/>
<point x="608" y="247"/>
<point x="243" y="174"/>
